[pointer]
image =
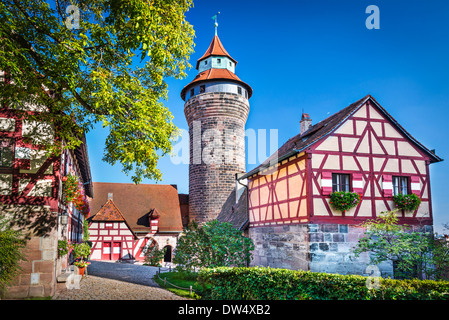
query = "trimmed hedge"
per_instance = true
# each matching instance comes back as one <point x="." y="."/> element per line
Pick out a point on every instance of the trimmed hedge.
<point x="258" y="283"/>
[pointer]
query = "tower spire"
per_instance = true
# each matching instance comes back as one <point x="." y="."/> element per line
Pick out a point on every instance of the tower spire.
<point x="216" y="23"/>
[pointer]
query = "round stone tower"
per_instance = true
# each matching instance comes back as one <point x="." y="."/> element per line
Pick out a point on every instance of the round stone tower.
<point x="216" y="108"/>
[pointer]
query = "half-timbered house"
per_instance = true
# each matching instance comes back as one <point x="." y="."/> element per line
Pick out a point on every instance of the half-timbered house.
<point x="127" y="219"/>
<point x="31" y="197"/>
<point x="362" y="149"/>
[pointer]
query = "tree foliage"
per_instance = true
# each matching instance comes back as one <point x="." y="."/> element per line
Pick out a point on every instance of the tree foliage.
<point x="108" y="65"/>
<point x="414" y="254"/>
<point x="213" y="244"/>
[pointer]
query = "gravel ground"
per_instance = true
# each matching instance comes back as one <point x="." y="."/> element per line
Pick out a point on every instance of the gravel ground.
<point x="116" y="281"/>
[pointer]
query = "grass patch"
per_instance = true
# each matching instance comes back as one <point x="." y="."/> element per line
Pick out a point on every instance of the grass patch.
<point x="180" y="279"/>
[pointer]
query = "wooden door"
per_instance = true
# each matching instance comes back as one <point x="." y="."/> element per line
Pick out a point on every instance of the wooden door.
<point x="106" y="253"/>
<point x="116" y="251"/>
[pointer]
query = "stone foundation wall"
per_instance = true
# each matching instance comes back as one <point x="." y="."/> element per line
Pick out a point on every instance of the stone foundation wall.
<point x="284" y="246"/>
<point x="314" y="247"/>
<point x="330" y="250"/>
<point x="42" y="266"/>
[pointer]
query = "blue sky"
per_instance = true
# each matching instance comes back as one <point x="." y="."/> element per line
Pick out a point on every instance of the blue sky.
<point x="318" y="55"/>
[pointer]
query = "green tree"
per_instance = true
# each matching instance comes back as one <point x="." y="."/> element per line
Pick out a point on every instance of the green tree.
<point x="414" y="254"/>
<point x="213" y="244"/>
<point x="97" y="61"/>
<point x="12" y="243"/>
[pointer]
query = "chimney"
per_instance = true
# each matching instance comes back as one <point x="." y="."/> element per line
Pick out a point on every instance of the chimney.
<point x="305" y="122"/>
<point x="109" y="196"/>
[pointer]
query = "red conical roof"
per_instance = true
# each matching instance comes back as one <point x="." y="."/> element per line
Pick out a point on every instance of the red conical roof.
<point x="215" y="49"/>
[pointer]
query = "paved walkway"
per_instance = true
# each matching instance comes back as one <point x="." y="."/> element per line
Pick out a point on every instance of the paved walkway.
<point x="116" y="281"/>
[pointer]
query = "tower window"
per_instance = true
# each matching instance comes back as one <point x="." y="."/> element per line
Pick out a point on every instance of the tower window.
<point x="239" y="90"/>
<point x="230" y="63"/>
<point x="192" y="92"/>
<point x="202" y="88"/>
<point x="205" y="62"/>
<point x="246" y="94"/>
<point x="218" y="61"/>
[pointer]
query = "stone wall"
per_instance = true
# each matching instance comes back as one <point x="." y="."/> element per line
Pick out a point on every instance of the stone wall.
<point x="330" y="250"/>
<point x="284" y="246"/>
<point x="39" y="270"/>
<point x="314" y="247"/>
<point x="217" y="150"/>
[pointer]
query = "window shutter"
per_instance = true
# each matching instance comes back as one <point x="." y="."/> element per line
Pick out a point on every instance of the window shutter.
<point x="387" y="185"/>
<point x="326" y="183"/>
<point x="357" y="183"/>
<point x="415" y="185"/>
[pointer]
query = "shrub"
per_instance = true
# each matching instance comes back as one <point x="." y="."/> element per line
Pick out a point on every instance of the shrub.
<point x="212" y="245"/>
<point x="12" y="243"/>
<point x="258" y="283"/>
<point x="81" y="250"/>
<point x="153" y="256"/>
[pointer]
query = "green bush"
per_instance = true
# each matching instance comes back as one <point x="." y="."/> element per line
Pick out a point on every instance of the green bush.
<point x="12" y="244"/>
<point x="258" y="283"/>
<point x="214" y="244"/>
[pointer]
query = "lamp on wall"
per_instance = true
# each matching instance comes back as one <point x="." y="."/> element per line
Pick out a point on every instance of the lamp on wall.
<point x="64" y="219"/>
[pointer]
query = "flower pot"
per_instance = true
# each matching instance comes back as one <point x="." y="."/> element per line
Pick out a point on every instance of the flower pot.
<point x="81" y="270"/>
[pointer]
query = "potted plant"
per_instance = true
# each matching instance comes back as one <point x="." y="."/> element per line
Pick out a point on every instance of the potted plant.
<point x="343" y="201"/>
<point x="407" y="202"/>
<point x="82" y="252"/>
<point x="82" y="265"/>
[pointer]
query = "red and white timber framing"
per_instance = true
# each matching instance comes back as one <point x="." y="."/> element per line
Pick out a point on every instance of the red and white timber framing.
<point x="29" y="177"/>
<point x="114" y="240"/>
<point x="370" y="148"/>
<point x="111" y="240"/>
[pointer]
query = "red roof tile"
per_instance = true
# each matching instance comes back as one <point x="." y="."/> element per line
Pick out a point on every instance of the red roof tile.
<point x="216" y="74"/>
<point x="138" y="202"/>
<point x="215" y="49"/>
<point x="108" y="212"/>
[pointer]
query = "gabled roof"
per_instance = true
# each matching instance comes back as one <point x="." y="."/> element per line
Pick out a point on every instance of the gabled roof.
<point x="108" y="212"/>
<point x="322" y="129"/>
<point x="216" y="48"/>
<point x="138" y="202"/>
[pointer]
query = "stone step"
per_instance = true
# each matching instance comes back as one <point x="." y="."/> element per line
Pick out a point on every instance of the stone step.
<point x="63" y="277"/>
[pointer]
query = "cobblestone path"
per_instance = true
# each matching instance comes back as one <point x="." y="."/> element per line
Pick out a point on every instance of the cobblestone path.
<point x="116" y="281"/>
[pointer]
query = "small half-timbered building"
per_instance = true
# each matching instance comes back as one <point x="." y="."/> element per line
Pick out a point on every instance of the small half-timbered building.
<point x="127" y="219"/>
<point x="362" y="149"/>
